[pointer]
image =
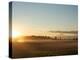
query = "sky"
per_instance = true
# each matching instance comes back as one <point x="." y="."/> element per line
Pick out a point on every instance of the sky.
<point x="38" y="18"/>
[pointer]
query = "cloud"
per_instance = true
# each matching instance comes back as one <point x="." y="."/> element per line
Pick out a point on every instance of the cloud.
<point x="64" y="32"/>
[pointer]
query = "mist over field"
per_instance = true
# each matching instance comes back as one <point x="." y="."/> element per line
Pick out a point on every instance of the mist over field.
<point x="37" y="46"/>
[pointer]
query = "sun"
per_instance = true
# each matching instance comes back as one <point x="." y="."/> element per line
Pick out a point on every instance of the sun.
<point x="16" y="34"/>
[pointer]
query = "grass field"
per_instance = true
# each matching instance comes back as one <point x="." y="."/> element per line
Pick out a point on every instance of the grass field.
<point x="39" y="48"/>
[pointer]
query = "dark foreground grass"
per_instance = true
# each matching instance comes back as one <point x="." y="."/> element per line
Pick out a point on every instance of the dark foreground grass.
<point x="44" y="48"/>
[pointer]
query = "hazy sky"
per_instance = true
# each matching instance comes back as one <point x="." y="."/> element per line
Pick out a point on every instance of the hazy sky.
<point x="31" y="18"/>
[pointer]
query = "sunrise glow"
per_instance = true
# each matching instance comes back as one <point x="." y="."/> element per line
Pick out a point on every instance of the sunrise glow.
<point x="16" y="34"/>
